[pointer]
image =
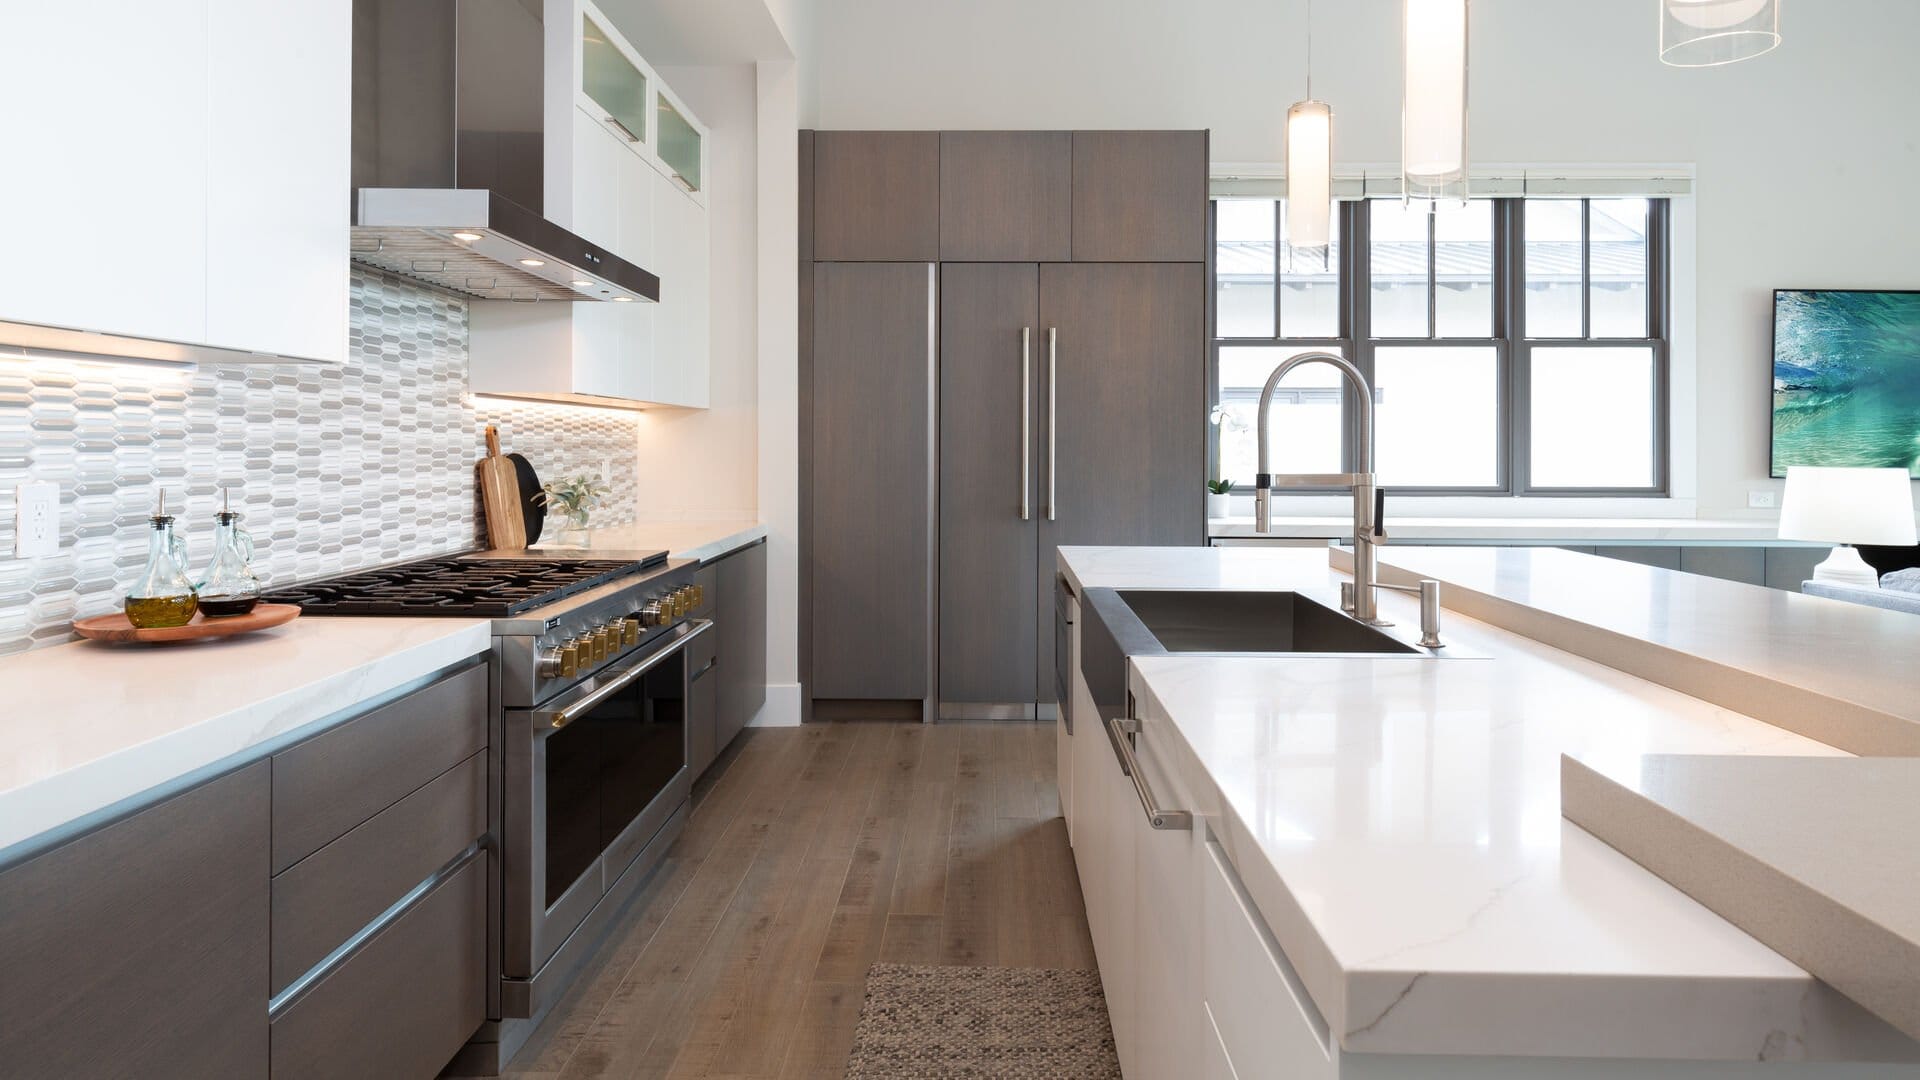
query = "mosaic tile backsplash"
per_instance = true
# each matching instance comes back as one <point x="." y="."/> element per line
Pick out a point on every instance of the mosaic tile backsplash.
<point x="336" y="469"/>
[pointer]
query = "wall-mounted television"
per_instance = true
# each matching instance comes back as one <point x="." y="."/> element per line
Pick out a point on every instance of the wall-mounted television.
<point x="1846" y="378"/>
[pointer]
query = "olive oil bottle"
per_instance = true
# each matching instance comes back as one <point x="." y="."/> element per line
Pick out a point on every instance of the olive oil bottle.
<point x="230" y="587"/>
<point x="162" y="596"/>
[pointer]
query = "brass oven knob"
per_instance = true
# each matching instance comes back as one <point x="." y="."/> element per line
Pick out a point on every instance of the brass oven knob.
<point x="686" y="598"/>
<point x="699" y="595"/>
<point x="608" y="638"/>
<point x="569" y="658"/>
<point x="599" y="636"/>
<point x="630" y="631"/>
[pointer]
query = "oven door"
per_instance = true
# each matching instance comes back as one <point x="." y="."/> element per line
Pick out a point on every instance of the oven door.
<point x="590" y="777"/>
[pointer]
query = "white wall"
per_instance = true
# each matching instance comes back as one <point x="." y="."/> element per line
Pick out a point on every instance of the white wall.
<point x="1802" y="157"/>
<point x="704" y="463"/>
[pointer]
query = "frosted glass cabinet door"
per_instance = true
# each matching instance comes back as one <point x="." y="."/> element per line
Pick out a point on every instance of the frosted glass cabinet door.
<point x="680" y="145"/>
<point x="105" y="128"/>
<point x="612" y="82"/>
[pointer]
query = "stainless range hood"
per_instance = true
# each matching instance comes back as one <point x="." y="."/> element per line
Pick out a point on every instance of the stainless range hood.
<point x="448" y="156"/>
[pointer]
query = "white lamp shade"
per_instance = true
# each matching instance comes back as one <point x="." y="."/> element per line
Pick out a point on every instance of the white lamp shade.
<point x="1848" y="506"/>
<point x="1433" y="101"/>
<point x="1309" y="174"/>
<point x="1706" y="33"/>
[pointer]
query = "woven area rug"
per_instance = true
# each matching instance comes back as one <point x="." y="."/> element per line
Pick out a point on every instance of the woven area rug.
<point x="921" y="1021"/>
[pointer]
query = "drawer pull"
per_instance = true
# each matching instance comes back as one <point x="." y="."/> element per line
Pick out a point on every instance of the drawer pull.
<point x="1117" y="730"/>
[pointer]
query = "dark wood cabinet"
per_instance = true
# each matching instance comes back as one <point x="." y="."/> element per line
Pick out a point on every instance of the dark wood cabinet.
<point x="992" y="460"/>
<point x="1139" y="196"/>
<point x="1006" y="196"/>
<point x="876" y="196"/>
<point x="871" y="565"/>
<point x="141" y="948"/>
<point x="740" y="621"/>
<point x="1072" y="286"/>
<point x="1128" y="402"/>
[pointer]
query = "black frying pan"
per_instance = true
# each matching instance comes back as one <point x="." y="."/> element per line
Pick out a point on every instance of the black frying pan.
<point x="532" y="505"/>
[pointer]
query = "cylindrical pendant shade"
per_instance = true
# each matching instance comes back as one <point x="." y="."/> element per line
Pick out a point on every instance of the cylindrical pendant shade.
<point x="1705" y="33"/>
<point x="1433" y="101"/>
<point x="1309" y="174"/>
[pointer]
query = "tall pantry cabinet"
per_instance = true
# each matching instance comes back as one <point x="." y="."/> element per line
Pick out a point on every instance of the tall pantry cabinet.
<point x="1003" y="351"/>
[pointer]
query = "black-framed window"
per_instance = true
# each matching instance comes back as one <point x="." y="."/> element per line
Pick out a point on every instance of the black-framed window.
<point x="1515" y="346"/>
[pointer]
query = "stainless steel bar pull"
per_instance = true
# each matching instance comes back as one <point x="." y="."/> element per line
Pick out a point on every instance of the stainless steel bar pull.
<point x="1158" y="817"/>
<point x="1053" y="419"/>
<point x="1026" y="423"/>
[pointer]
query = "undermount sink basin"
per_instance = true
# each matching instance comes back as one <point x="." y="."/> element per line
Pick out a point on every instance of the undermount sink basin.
<point x="1254" y="622"/>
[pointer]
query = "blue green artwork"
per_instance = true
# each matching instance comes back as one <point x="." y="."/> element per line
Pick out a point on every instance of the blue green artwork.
<point x="1846" y="379"/>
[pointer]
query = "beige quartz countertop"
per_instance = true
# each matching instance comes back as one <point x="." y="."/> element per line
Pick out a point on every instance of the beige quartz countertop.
<point x="702" y="540"/>
<point x="1816" y="857"/>
<point x="87" y="725"/>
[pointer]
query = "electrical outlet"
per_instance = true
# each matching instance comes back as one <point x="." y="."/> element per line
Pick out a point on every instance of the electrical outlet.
<point x="36" y="520"/>
<point x="1760" y="500"/>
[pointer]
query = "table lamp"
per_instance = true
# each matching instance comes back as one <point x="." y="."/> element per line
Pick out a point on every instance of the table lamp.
<point x="1847" y="507"/>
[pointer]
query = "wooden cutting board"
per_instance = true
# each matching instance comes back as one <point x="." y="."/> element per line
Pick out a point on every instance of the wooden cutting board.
<point x="500" y="494"/>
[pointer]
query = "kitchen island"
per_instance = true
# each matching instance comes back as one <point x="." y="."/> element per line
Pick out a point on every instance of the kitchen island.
<point x="1378" y="881"/>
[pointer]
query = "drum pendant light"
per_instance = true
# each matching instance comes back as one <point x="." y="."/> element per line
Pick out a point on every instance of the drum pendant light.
<point x="1433" y="100"/>
<point x="1309" y="165"/>
<point x="1707" y="33"/>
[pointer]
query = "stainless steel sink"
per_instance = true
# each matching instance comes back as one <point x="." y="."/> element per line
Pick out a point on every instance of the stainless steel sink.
<point x="1254" y="622"/>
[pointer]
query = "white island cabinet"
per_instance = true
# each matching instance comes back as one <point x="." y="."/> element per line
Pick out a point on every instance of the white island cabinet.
<point x="623" y="159"/>
<point x="1375" y="882"/>
<point x="176" y="178"/>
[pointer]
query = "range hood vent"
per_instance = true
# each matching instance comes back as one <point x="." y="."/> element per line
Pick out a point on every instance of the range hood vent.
<point x="448" y="153"/>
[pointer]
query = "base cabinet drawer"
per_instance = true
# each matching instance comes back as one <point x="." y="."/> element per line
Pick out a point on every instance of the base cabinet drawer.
<point x="330" y="895"/>
<point x="403" y="1003"/>
<point x="1266" y="1023"/>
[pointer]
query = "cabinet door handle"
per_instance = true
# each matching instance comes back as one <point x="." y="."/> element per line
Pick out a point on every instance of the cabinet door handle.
<point x="1026" y="423"/>
<point x="1053" y="417"/>
<point x="624" y="129"/>
<point x="1117" y="728"/>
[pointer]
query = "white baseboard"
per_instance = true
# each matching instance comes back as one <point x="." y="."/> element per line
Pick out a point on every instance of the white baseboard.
<point x="782" y="708"/>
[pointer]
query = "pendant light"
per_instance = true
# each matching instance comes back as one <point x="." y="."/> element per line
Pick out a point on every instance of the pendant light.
<point x="1433" y="100"/>
<point x="1707" y="33"/>
<point x="1309" y="166"/>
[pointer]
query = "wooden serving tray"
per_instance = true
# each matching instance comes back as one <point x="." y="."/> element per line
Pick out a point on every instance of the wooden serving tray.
<point x="115" y="629"/>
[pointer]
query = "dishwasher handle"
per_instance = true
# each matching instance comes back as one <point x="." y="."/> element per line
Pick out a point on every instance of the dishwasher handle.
<point x="1118" y="730"/>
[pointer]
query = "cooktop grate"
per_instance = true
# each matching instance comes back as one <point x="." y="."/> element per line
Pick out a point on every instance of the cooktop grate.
<point x="454" y="586"/>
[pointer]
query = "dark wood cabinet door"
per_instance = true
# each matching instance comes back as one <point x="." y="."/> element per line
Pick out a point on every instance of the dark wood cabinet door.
<point x="1139" y="196"/>
<point x="872" y="454"/>
<point x="741" y="623"/>
<point x="1127" y="401"/>
<point x="991" y="355"/>
<point x="1006" y="196"/>
<point x="876" y="196"/>
<point x="141" y="949"/>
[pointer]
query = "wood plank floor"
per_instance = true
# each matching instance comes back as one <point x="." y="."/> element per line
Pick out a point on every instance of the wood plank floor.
<point x="811" y="853"/>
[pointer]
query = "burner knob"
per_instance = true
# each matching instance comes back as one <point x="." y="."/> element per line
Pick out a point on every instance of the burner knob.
<point x="569" y="658"/>
<point x="597" y="637"/>
<point x="629" y="631"/>
<point x="655" y="613"/>
<point x="683" y="599"/>
<point x="606" y="637"/>
<point x="699" y="596"/>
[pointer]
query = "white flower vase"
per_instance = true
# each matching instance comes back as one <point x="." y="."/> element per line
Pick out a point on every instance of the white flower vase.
<point x="1219" y="506"/>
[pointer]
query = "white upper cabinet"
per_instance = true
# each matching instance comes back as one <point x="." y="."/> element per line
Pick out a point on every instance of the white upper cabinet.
<point x="609" y="118"/>
<point x="178" y="172"/>
<point x="279" y="150"/>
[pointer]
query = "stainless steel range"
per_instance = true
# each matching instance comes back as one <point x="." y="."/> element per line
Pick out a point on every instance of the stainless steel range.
<point x="593" y="662"/>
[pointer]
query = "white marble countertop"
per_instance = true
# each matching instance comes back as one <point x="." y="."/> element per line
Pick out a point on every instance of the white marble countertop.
<point x="1554" y="530"/>
<point x="87" y="725"/>
<point x="701" y="540"/>
<point x="1397" y="822"/>
<point x="1838" y="672"/>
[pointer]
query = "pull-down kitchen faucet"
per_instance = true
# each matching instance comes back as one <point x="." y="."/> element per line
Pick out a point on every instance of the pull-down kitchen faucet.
<point x="1367" y="511"/>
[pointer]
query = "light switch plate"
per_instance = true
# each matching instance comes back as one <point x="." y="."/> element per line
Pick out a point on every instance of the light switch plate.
<point x="1760" y="500"/>
<point x="36" y="520"/>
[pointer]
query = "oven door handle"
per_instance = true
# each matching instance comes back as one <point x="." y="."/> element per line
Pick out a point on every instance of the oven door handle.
<point x="562" y="717"/>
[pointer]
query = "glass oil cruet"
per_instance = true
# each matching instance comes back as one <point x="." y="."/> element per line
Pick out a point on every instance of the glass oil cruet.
<point x="231" y="587"/>
<point x="162" y="596"/>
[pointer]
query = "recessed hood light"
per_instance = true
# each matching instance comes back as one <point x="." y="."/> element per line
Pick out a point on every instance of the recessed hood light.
<point x="533" y="262"/>
<point x="469" y="237"/>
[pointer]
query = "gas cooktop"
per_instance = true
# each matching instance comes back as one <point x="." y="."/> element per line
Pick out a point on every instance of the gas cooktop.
<point x="457" y="585"/>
